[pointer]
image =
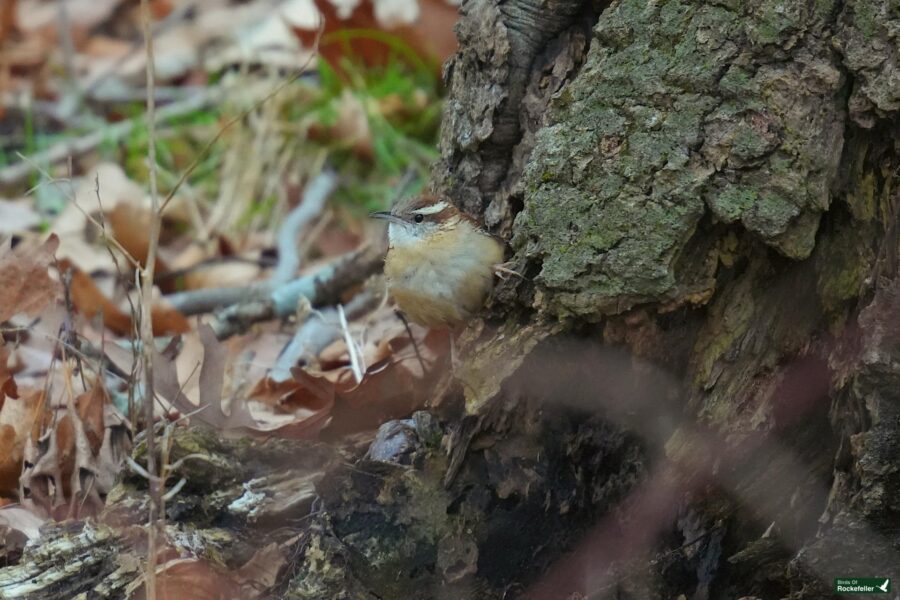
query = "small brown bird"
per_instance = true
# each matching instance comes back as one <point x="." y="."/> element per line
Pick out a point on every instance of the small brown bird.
<point x="440" y="263"/>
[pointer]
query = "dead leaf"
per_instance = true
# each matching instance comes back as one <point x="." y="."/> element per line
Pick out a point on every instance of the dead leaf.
<point x="212" y="263"/>
<point x="426" y="27"/>
<point x="93" y="304"/>
<point x="204" y="580"/>
<point x="25" y="286"/>
<point x="101" y="190"/>
<point x="211" y="381"/>
<point x="212" y="373"/>
<point x="340" y="236"/>
<point x="263" y="567"/>
<point x="70" y="469"/>
<point x="393" y="387"/>
<point x="17" y="217"/>
<point x="90" y="410"/>
<point x="19" y="419"/>
<point x="225" y="274"/>
<point x="130" y="224"/>
<point x="7" y="383"/>
<point x="89" y="407"/>
<point x="20" y="519"/>
<point x="7" y="20"/>
<point x="82" y="14"/>
<point x="297" y="408"/>
<point x="17" y="527"/>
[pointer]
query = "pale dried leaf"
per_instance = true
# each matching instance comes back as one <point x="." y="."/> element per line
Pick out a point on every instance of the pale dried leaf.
<point x="25" y="285"/>
<point x="85" y="14"/>
<point x="20" y="519"/>
<point x="16" y="217"/>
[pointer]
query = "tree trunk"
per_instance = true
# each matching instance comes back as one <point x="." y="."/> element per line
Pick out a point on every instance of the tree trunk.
<point x="693" y="389"/>
<point x="707" y="186"/>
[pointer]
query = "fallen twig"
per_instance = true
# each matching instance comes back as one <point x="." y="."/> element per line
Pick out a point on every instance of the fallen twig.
<point x="320" y="329"/>
<point x="314" y="197"/>
<point x="356" y="362"/>
<point x="287" y="295"/>
<point x="320" y="288"/>
<point x="196" y="302"/>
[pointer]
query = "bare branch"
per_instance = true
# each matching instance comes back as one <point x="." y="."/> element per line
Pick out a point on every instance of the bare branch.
<point x="320" y="288"/>
<point x="314" y="197"/>
<point x="146" y="306"/>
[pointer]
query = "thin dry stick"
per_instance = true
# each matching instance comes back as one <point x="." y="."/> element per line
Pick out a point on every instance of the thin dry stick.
<point x="147" y="341"/>
<point x="356" y="361"/>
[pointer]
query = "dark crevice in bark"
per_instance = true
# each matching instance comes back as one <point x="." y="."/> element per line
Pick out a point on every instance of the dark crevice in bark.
<point x="534" y="49"/>
<point x="534" y="29"/>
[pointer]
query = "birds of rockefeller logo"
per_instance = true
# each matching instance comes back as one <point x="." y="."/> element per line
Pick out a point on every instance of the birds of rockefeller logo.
<point x="862" y="585"/>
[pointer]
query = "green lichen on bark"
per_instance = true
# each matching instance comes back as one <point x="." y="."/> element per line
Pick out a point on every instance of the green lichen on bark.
<point x="389" y="519"/>
<point x="680" y="108"/>
<point x="869" y="40"/>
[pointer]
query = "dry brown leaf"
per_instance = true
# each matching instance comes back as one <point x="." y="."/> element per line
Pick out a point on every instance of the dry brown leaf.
<point x="20" y="519"/>
<point x="224" y="274"/>
<point x="262" y="570"/>
<point x="19" y="418"/>
<point x="93" y="304"/>
<point x="89" y="407"/>
<point x="391" y="388"/>
<point x="211" y="263"/>
<point x="7" y="383"/>
<point x="71" y="468"/>
<point x="130" y="224"/>
<point x="204" y="580"/>
<point x="77" y="234"/>
<point x="10" y="460"/>
<point x="17" y="527"/>
<point x="298" y="408"/>
<point x="25" y="286"/>
<point x="7" y="19"/>
<point x="430" y="35"/>
<point x="340" y="236"/>
<point x="210" y="383"/>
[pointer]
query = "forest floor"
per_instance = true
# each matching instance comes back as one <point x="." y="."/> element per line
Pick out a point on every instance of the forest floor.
<point x="273" y="139"/>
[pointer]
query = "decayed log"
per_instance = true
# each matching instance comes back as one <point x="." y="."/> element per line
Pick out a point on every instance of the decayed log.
<point x="242" y="502"/>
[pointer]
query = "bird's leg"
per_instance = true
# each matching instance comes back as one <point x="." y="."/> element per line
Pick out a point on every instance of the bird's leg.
<point x="503" y="270"/>
<point x="412" y="339"/>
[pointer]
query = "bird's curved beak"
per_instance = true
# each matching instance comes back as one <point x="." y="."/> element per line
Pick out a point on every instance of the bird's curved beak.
<point x="386" y="215"/>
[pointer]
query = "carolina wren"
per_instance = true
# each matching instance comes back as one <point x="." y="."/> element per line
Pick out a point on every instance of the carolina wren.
<point x="440" y="263"/>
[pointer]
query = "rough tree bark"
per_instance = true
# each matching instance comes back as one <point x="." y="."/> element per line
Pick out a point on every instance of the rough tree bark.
<point x="694" y="390"/>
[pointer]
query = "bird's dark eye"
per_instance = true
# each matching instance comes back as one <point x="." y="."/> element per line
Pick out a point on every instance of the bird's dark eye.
<point x="419" y="218"/>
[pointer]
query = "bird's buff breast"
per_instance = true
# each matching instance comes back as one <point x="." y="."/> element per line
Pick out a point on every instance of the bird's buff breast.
<point x="443" y="281"/>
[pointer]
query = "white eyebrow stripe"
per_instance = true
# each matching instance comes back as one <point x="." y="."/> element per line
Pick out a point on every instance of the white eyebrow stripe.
<point x="430" y="210"/>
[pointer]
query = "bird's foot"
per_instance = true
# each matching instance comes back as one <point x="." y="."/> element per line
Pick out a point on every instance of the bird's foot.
<point x="503" y="270"/>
